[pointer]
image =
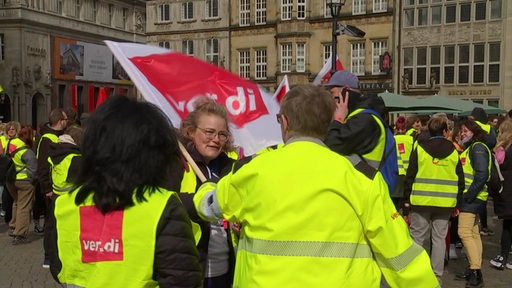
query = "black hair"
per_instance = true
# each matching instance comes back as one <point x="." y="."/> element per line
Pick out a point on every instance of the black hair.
<point x="128" y="147"/>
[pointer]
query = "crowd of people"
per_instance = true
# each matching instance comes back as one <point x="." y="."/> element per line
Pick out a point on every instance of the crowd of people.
<point x="131" y="201"/>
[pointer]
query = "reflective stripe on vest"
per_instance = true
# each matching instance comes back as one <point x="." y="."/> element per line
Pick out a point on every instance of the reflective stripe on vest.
<point x="403" y="151"/>
<point x="469" y="172"/>
<point x="401" y="261"/>
<point x="89" y="242"/>
<point x="436" y="182"/>
<point x="375" y="156"/>
<point x="59" y="174"/>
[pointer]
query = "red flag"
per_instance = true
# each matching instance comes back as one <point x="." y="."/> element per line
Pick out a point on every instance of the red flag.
<point x="282" y="89"/>
<point x="173" y="81"/>
<point x="102" y="96"/>
<point x="325" y="73"/>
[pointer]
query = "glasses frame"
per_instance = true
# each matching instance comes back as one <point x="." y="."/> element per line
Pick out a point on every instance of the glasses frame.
<point x="212" y="133"/>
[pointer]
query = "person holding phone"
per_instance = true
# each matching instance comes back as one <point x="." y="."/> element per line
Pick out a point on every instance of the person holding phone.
<point x="353" y="130"/>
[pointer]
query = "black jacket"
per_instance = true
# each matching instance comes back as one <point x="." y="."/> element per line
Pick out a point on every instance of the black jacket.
<point x="479" y="155"/>
<point x="438" y="148"/>
<point x="360" y="134"/>
<point x="43" y="167"/>
<point x="503" y="201"/>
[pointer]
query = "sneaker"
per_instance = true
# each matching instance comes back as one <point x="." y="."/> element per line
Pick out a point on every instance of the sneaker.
<point x="2" y="213"/>
<point x="498" y="262"/>
<point x="38" y="229"/>
<point x="46" y="263"/>
<point x="458" y="245"/>
<point x="11" y="232"/>
<point x="463" y="275"/>
<point x="20" y="240"/>
<point x="486" y="232"/>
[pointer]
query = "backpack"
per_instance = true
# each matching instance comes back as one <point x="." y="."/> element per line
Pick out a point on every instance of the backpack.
<point x="495" y="183"/>
<point x="389" y="163"/>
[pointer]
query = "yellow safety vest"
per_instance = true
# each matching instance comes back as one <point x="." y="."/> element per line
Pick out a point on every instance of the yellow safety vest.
<point x="59" y="174"/>
<point x="20" y="166"/>
<point x="469" y="172"/>
<point x="112" y="250"/>
<point x="485" y="127"/>
<point x="403" y="151"/>
<point x="3" y="141"/>
<point x="326" y="223"/>
<point x="188" y="186"/>
<point x="411" y="131"/>
<point x="54" y="138"/>
<point x="436" y="183"/>
<point x="375" y="156"/>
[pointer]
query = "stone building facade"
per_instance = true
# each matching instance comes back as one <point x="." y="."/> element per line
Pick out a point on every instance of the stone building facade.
<point x="264" y="40"/>
<point x="52" y="55"/>
<point x="455" y="48"/>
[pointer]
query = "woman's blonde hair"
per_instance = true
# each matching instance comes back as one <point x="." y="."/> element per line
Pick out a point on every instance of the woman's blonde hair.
<point x="504" y="138"/>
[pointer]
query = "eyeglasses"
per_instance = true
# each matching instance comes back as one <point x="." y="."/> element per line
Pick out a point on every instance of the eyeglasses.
<point x="212" y="133"/>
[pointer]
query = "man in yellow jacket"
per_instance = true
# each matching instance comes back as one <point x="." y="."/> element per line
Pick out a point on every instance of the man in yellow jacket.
<point x="311" y="217"/>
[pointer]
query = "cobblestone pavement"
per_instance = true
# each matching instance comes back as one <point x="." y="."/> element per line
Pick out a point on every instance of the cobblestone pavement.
<point x="21" y="266"/>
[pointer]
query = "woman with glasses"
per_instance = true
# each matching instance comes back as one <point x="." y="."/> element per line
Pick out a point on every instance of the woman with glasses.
<point x="206" y="136"/>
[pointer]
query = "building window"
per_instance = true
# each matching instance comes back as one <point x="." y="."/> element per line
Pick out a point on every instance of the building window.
<point x="286" y="58"/>
<point x="378" y="49"/>
<point x="450" y="14"/>
<point x="212" y="8"/>
<point x="301" y="9"/>
<point x="111" y="12"/>
<point x="494" y="62"/>
<point x="244" y="64"/>
<point x="359" y="7"/>
<point x="187" y="47"/>
<point x="187" y="10"/>
<point x="125" y="18"/>
<point x="380" y="6"/>
<point x="261" y="12"/>
<point x="357" y="58"/>
<point x="77" y="8"/>
<point x="463" y="65"/>
<point x="164" y="44"/>
<point x="436" y="15"/>
<point x="408" y="17"/>
<point x="300" y="57"/>
<point x="478" y="63"/>
<point x="163" y="13"/>
<point x="2" y="47"/>
<point x="261" y="64"/>
<point x="480" y="11"/>
<point x="495" y="9"/>
<point x="449" y="65"/>
<point x="465" y="12"/>
<point x="421" y="65"/>
<point x="435" y="65"/>
<point x="59" y="7"/>
<point x="286" y="9"/>
<point x="408" y="66"/>
<point x="493" y="102"/>
<point x="245" y="12"/>
<point x="212" y="51"/>
<point x="422" y="16"/>
<point x="327" y="52"/>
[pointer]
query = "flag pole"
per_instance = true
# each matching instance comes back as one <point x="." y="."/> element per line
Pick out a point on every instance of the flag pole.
<point x="192" y="163"/>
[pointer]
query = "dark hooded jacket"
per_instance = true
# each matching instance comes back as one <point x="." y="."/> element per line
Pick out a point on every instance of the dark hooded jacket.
<point x="43" y="150"/>
<point x="58" y="151"/>
<point x="361" y="133"/>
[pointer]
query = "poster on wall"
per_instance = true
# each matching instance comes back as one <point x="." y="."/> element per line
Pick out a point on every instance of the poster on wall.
<point x="86" y="61"/>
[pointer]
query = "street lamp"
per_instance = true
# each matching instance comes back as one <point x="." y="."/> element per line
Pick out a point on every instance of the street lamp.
<point x="335" y="6"/>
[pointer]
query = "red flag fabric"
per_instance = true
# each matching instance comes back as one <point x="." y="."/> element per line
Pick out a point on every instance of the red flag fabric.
<point x="325" y="73"/>
<point x="102" y="96"/>
<point x="282" y="89"/>
<point x="173" y="81"/>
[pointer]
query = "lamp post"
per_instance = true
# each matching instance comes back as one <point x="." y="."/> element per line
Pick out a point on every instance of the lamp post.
<point x="335" y="7"/>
